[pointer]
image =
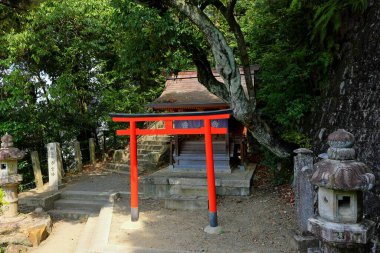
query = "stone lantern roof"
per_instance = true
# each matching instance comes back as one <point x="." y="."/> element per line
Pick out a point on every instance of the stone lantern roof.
<point x="7" y="151"/>
<point x="341" y="171"/>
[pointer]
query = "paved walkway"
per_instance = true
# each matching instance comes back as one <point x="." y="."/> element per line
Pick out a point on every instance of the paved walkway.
<point x="99" y="182"/>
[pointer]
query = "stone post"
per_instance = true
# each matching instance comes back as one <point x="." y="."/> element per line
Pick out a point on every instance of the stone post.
<point x="304" y="190"/>
<point x="78" y="156"/>
<point x="91" y="143"/>
<point x="304" y="197"/>
<point x="55" y="165"/>
<point x="37" y="170"/>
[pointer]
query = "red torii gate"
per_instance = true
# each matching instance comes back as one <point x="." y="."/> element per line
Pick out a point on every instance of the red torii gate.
<point x="168" y="118"/>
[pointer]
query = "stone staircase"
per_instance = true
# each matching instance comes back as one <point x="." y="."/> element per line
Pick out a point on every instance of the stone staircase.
<point x="80" y="204"/>
<point x="187" y="194"/>
<point x="152" y="152"/>
<point x="192" y="156"/>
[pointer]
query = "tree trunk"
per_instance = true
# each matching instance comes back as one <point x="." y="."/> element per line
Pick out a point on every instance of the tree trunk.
<point x="351" y="99"/>
<point x="244" y="108"/>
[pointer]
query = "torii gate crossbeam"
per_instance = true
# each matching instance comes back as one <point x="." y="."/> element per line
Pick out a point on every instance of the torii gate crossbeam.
<point x="207" y="130"/>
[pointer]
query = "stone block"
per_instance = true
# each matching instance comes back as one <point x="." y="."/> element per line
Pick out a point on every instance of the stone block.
<point x="156" y="190"/>
<point x="120" y="156"/>
<point x="188" y="190"/>
<point x="236" y="183"/>
<point x="46" y="202"/>
<point x="15" y="248"/>
<point x="27" y="230"/>
<point x="37" y="234"/>
<point x="340" y="206"/>
<point x="341" y="233"/>
<point x="303" y="243"/>
<point x="192" y="181"/>
<point x="233" y="191"/>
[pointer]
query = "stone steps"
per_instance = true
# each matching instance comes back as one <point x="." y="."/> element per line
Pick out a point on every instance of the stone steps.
<point x="71" y="214"/>
<point x="88" y="195"/>
<point x="200" y="168"/>
<point x="187" y="194"/>
<point x="151" y="152"/>
<point x="202" y="157"/>
<point x="189" y="190"/>
<point x="80" y="204"/>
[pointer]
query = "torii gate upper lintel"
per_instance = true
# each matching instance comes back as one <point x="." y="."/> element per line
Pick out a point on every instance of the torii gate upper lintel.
<point x="168" y="118"/>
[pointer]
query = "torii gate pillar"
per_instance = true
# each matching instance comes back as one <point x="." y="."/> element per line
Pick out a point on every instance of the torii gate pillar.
<point x="168" y="118"/>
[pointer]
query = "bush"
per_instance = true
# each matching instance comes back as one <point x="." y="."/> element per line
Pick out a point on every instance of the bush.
<point x="277" y="177"/>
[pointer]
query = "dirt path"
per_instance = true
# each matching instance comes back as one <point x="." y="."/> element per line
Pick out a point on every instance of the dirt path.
<point x="259" y="223"/>
<point x="63" y="239"/>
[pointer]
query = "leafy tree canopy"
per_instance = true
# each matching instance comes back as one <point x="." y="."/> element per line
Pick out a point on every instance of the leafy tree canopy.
<point x="66" y="64"/>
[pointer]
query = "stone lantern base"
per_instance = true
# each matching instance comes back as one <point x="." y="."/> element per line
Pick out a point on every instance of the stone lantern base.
<point x="10" y="186"/>
<point x="342" y="237"/>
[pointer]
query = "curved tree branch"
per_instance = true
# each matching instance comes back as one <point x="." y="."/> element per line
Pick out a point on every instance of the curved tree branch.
<point x="228" y="14"/>
<point x="204" y="71"/>
<point x="244" y="109"/>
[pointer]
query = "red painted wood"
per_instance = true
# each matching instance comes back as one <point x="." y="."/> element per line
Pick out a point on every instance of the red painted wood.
<point x="133" y="167"/>
<point x="207" y="130"/>
<point x="210" y="167"/>
<point x="172" y="131"/>
<point x="200" y="117"/>
<point x="168" y="124"/>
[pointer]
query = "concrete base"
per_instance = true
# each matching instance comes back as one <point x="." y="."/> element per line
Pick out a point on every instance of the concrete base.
<point x="159" y="184"/>
<point x="33" y="199"/>
<point x="213" y="230"/>
<point x="342" y="234"/>
<point x="132" y="225"/>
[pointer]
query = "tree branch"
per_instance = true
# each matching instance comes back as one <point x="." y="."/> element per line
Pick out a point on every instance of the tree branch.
<point x="205" y="74"/>
<point x="228" y="14"/>
<point x="244" y="109"/>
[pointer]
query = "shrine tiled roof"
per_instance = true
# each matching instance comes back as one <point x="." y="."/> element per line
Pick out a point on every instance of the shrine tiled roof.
<point x="183" y="91"/>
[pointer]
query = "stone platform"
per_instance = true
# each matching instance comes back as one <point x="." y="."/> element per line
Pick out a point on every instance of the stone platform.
<point x="162" y="183"/>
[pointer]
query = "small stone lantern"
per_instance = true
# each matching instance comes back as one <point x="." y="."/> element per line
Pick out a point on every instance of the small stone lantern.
<point x="9" y="179"/>
<point x="341" y="179"/>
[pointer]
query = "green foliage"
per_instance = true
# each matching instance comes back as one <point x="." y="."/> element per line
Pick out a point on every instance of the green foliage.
<point x="278" y="176"/>
<point x="154" y="36"/>
<point x="2" y="201"/>
<point x="64" y="72"/>
<point x="328" y="16"/>
<point x="290" y="67"/>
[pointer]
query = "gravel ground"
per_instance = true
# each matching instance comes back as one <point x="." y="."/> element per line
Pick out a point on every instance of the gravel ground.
<point x="259" y="223"/>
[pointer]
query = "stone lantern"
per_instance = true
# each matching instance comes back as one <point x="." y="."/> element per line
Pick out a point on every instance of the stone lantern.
<point x="9" y="179"/>
<point x="341" y="179"/>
